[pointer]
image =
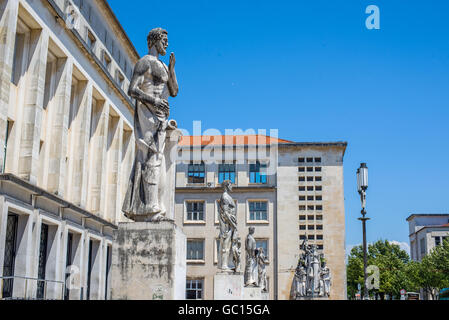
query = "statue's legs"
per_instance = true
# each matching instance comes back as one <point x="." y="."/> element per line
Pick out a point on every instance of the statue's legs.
<point x="151" y="188"/>
<point x="225" y="250"/>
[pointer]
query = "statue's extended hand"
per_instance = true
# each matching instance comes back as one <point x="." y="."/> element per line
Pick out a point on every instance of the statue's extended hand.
<point x="171" y="66"/>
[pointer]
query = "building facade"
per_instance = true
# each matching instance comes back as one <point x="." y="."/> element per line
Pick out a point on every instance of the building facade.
<point x="426" y="231"/>
<point x="67" y="145"/>
<point x="288" y="191"/>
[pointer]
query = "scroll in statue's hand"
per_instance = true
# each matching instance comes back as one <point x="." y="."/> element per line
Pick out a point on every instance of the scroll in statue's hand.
<point x="163" y="106"/>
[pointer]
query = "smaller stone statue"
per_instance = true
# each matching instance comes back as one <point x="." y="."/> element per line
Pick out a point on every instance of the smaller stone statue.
<point x="236" y="253"/>
<point x="315" y="261"/>
<point x="262" y="260"/>
<point x="251" y="263"/>
<point x="312" y="278"/>
<point x="326" y="278"/>
<point x="228" y="226"/>
<point x="301" y="281"/>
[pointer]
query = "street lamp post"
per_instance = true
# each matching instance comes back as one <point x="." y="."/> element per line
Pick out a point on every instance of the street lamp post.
<point x="362" y="186"/>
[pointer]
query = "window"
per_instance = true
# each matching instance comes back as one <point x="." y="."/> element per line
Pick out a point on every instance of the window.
<point x="310" y="188"/>
<point x="318" y="160"/>
<point x="302" y="188"/>
<point x="320" y="217"/>
<point x="302" y="227"/>
<point x="320" y="247"/>
<point x="258" y="211"/>
<point x="107" y="61"/>
<point x="311" y="237"/>
<point x="311" y="208"/>
<point x="309" y="169"/>
<point x="196" y="173"/>
<point x="226" y="171"/>
<point x="309" y="160"/>
<point x="120" y="78"/>
<point x="302" y="179"/>
<point x="318" y="198"/>
<point x="195" y="249"/>
<point x="310" y="198"/>
<point x="195" y="211"/>
<point x="255" y="174"/>
<point x="302" y="208"/>
<point x="311" y="218"/>
<point x="90" y="40"/>
<point x="319" y="237"/>
<point x="309" y="179"/>
<point x="302" y="237"/>
<point x="311" y="227"/>
<point x="317" y="169"/>
<point x="262" y="243"/>
<point x="319" y="208"/>
<point x="302" y="198"/>
<point x="437" y="241"/>
<point x="319" y="188"/>
<point x="301" y="169"/>
<point x="318" y="179"/>
<point x="302" y="218"/>
<point x="301" y="160"/>
<point x="194" y="289"/>
<point x="319" y="227"/>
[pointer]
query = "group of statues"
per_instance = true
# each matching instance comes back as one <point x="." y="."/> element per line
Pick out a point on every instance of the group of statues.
<point x="312" y="276"/>
<point x="230" y="244"/>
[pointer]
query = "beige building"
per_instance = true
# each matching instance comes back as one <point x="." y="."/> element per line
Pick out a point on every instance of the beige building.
<point x="66" y="145"/>
<point x="426" y="231"/>
<point x="288" y="191"/>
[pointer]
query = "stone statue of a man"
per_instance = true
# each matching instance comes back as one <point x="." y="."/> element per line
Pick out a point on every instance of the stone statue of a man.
<point x="262" y="270"/>
<point x="228" y="226"/>
<point x="301" y="281"/>
<point x="251" y="263"/>
<point x="151" y="85"/>
<point x="326" y="278"/>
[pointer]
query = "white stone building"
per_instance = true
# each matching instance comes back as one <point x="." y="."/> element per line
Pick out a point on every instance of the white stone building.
<point x="426" y="231"/>
<point x="286" y="190"/>
<point x="66" y="145"/>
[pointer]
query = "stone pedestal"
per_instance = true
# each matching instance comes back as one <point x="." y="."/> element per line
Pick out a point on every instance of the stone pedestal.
<point x="148" y="262"/>
<point x="255" y="293"/>
<point x="228" y="286"/>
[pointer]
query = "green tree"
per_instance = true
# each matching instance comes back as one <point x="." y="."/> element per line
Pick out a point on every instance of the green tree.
<point x="432" y="272"/>
<point x="391" y="261"/>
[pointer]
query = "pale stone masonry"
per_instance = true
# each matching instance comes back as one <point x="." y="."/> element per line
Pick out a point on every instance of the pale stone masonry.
<point x="291" y="212"/>
<point x="67" y="145"/>
<point x="426" y="231"/>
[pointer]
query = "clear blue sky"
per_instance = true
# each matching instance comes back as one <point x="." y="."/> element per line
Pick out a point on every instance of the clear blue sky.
<point x="312" y="70"/>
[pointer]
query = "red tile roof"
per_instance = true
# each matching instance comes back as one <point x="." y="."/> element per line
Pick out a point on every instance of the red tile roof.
<point x="230" y="140"/>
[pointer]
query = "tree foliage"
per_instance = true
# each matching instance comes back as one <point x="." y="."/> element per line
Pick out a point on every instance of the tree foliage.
<point x="397" y="272"/>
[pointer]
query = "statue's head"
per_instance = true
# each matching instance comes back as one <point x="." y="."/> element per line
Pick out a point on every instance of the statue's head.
<point x="251" y="230"/>
<point x="158" y="38"/>
<point x="227" y="185"/>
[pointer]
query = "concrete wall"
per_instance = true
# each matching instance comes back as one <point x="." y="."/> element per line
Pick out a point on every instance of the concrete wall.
<point x="288" y="232"/>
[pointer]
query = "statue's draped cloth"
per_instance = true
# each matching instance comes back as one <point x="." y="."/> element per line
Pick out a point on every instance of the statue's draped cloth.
<point x="149" y="167"/>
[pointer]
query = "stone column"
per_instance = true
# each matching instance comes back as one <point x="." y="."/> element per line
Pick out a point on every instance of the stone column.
<point x="79" y="144"/>
<point x="113" y="161"/>
<point x="58" y="113"/>
<point x="97" y="157"/>
<point x="8" y="25"/>
<point x="32" y="109"/>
